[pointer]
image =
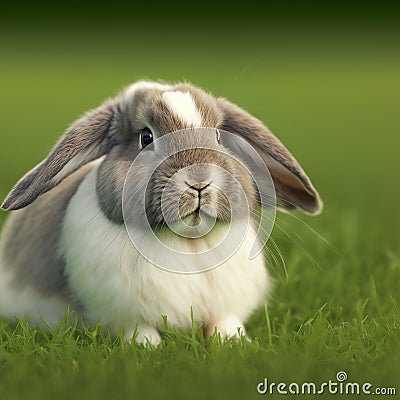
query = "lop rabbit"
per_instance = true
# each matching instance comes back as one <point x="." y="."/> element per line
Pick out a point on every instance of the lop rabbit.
<point x="66" y="243"/>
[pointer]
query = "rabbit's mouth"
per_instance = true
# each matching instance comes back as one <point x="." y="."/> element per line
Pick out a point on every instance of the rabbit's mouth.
<point x="198" y="215"/>
<point x="194" y="218"/>
<point x="195" y="225"/>
<point x="207" y="200"/>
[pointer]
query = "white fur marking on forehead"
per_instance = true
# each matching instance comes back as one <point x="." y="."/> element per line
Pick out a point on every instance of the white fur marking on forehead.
<point x="183" y="105"/>
<point x="142" y="85"/>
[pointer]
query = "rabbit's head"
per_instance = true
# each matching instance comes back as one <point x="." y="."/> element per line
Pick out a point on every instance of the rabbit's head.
<point x="179" y="173"/>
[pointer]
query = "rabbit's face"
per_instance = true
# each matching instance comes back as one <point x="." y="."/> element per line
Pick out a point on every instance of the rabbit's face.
<point x="203" y="177"/>
<point x="174" y="128"/>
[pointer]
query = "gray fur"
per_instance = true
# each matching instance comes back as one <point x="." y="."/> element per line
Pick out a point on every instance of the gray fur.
<point x="111" y="178"/>
<point x="29" y="245"/>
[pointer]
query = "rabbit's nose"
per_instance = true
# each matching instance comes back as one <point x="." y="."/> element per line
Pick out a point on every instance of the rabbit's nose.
<point x="198" y="186"/>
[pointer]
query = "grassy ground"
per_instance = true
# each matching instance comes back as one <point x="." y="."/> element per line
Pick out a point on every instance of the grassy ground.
<point x="340" y="315"/>
<point x="332" y="99"/>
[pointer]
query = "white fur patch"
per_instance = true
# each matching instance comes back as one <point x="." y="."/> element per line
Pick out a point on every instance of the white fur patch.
<point x="183" y="105"/>
<point x="142" y="85"/>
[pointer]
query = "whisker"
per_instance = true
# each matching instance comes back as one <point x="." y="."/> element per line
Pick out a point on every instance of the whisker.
<point x="326" y="241"/>
<point x="280" y="256"/>
<point x="92" y="219"/>
<point x="313" y="230"/>
<point x="271" y="257"/>
<point x="270" y="252"/>
<point x="300" y="247"/>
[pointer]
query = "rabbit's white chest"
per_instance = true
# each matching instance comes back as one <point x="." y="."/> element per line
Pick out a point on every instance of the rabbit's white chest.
<point x="118" y="287"/>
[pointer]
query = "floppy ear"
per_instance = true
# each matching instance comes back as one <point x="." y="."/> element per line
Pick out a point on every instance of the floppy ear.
<point x="293" y="187"/>
<point x="85" y="140"/>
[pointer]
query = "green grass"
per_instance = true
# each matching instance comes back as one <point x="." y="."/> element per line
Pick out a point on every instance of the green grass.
<point x="337" y="311"/>
<point x="331" y="95"/>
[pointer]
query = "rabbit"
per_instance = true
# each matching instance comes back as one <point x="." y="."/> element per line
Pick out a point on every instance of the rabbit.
<point x="65" y="243"/>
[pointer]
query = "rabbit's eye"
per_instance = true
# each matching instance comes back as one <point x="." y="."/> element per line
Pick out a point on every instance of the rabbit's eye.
<point x="146" y="137"/>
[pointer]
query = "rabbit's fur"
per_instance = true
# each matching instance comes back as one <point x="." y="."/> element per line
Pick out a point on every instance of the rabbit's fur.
<point x="66" y="242"/>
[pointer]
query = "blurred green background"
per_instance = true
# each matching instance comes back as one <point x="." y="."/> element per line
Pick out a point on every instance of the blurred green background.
<point x="326" y="85"/>
<point x="326" y="82"/>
